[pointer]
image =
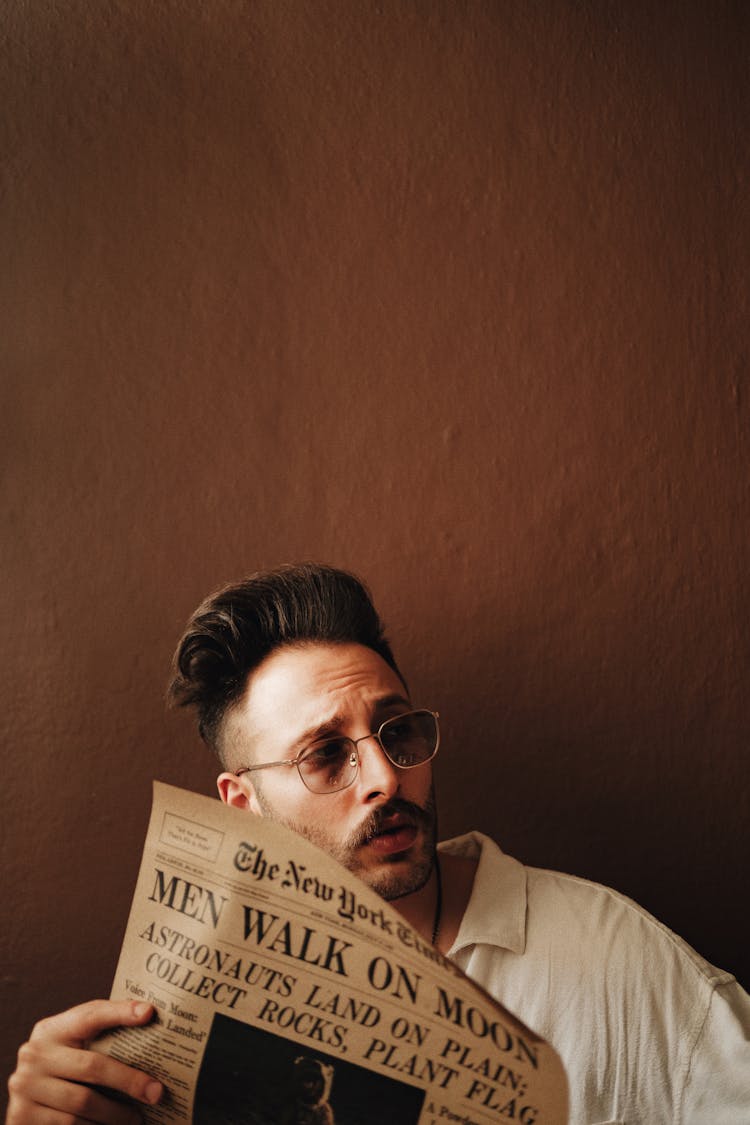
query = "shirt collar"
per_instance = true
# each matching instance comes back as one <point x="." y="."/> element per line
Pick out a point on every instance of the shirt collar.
<point x="496" y="912"/>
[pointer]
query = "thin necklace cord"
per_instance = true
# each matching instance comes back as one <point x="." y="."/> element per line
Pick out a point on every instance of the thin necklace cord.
<point x="438" y="903"/>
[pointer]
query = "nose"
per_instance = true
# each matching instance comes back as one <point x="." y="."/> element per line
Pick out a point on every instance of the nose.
<point x="378" y="777"/>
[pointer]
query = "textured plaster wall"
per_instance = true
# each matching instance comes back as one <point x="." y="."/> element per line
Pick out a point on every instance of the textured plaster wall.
<point x="453" y="294"/>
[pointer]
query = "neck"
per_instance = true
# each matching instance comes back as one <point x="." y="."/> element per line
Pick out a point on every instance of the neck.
<point x="420" y="908"/>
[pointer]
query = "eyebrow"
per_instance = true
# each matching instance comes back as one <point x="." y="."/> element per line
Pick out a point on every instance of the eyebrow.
<point x="333" y="725"/>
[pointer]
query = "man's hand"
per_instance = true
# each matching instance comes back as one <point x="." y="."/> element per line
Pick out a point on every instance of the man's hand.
<point x="51" y="1084"/>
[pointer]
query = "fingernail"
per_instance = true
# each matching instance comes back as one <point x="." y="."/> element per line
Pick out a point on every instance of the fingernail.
<point x="152" y="1093"/>
<point x="140" y="1009"/>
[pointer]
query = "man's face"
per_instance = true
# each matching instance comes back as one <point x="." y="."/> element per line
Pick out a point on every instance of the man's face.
<point x="382" y="827"/>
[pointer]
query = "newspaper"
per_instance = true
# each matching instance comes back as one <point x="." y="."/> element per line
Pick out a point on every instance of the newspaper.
<point x="288" y="992"/>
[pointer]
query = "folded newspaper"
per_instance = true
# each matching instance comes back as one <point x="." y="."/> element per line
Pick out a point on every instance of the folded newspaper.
<point x="287" y="992"/>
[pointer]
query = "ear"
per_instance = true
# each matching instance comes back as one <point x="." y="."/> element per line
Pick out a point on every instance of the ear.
<point x="238" y="792"/>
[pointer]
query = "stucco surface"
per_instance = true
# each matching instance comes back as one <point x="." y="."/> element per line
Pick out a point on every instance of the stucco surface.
<point x="453" y="294"/>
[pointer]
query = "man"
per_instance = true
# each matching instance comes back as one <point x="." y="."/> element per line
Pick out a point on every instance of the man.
<point x="298" y="693"/>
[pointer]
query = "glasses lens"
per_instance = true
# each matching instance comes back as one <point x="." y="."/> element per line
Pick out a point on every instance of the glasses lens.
<point x="410" y="740"/>
<point x="329" y="766"/>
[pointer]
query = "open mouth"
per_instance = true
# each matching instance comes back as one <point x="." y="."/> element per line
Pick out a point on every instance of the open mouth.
<point x="395" y="835"/>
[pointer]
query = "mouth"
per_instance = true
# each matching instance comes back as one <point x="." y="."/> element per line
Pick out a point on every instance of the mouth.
<point x="393" y="835"/>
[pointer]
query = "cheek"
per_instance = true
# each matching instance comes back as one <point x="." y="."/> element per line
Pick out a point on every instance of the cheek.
<point x="282" y="797"/>
<point x="296" y="804"/>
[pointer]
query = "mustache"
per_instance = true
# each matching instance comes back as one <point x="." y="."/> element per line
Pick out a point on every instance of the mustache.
<point x="397" y="806"/>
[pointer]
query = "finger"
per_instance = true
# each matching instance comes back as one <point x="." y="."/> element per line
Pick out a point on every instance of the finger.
<point x="78" y="1025"/>
<point x="21" y="1114"/>
<point x="80" y="1103"/>
<point x="42" y="1059"/>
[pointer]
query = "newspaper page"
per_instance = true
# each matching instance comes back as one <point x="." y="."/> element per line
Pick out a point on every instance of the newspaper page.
<point x="287" y="992"/>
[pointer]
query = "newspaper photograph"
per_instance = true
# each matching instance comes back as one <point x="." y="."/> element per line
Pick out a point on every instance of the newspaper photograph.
<point x="287" y="992"/>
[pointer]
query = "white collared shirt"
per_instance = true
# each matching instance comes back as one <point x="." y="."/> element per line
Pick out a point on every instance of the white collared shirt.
<point x="649" y="1032"/>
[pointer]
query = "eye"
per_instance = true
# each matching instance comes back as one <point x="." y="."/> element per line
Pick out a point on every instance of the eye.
<point x="326" y="756"/>
<point x="399" y="730"/>
<point x="409" y="739"/>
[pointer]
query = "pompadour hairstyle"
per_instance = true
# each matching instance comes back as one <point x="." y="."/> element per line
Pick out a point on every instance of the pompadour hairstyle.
<point x="237" y="627"/>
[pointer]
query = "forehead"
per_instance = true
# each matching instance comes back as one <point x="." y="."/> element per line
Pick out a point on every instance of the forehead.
<point x="301" y="684"/>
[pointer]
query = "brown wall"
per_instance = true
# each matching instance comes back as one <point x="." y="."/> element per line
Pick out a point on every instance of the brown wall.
<point x="453" y="294"/>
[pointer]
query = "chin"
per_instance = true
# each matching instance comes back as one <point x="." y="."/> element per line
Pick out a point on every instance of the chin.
<point x="398" y="880"/>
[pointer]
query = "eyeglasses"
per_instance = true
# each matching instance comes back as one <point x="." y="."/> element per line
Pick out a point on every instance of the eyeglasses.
<point x="407" y="741"/>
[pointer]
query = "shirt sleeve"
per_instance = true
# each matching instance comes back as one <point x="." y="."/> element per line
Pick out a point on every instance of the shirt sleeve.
<point x="717" y="1089"/>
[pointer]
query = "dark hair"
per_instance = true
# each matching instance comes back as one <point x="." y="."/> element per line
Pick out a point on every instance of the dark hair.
<point x="237" y="627"/>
